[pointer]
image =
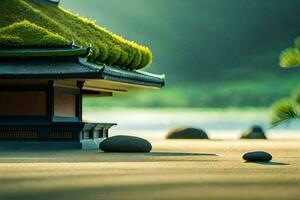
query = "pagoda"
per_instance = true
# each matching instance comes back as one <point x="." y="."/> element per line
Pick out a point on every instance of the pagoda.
<point x="50" y="59"/>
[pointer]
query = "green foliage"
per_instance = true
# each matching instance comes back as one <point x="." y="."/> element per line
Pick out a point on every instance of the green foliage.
<point x="47" y="25"/>
<point x="286" y="109"/>
<point x="290" y="58"/>
<point x="283" y="111"/>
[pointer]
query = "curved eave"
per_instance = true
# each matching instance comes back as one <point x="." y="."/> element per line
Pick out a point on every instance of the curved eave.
<point x="132" y="77"/>
<point x="116" y="74"/>
<point x="71" y="63"/>
<point x="43" y="52"/>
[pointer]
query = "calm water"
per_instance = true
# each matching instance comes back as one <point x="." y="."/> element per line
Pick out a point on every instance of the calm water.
<point x="220" y="124"/>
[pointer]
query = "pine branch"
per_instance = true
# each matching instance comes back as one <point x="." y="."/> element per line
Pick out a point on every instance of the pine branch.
<point x="290" y="58"/>
<point x="283" y="112"/>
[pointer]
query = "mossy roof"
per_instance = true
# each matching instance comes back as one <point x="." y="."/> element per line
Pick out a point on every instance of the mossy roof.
<point x="30" y="23"/>
<point x="70" y="62"/>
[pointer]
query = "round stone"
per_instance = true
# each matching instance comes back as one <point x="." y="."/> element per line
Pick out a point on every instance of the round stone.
<point x="255" y="132"/>
<point x="187" y="133"/>
<point x="257" y="156"/>
<point x="125" y="144"/>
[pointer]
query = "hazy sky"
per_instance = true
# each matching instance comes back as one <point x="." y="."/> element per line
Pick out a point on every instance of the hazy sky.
<point x="202" y="39"/>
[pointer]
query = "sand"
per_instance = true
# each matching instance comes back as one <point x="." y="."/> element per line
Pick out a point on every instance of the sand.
<point x="174" y="170"/>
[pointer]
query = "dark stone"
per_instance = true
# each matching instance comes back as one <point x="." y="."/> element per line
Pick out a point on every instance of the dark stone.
<point x="257" y="156"/>
<point x="255" y="132"/>
<point x="125" y="144"/>
<point x="187" y="133"/>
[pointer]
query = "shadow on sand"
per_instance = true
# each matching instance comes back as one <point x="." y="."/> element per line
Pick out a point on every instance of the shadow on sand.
<point x="179" y="154"/>
<point x="272" y="163"/>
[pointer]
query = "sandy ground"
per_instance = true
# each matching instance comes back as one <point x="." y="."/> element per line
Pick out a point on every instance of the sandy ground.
<point x="174" y="170"/>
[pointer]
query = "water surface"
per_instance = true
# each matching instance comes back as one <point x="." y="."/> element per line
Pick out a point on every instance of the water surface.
<point x="219" y="124"/>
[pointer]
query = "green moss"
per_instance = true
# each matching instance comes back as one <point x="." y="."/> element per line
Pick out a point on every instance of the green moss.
<point x="56" y="26"/>
<point x="10" y="41"/>
<point x="28" y="34"/>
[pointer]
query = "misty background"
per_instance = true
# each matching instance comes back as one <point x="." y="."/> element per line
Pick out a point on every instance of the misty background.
<point x="215" y="53"/>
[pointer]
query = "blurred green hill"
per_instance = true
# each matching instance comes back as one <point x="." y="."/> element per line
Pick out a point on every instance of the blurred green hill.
<point x="215" y="53"/>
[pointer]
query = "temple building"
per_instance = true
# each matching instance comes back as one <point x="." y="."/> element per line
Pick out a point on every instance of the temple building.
<point x="49" y="63"/>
